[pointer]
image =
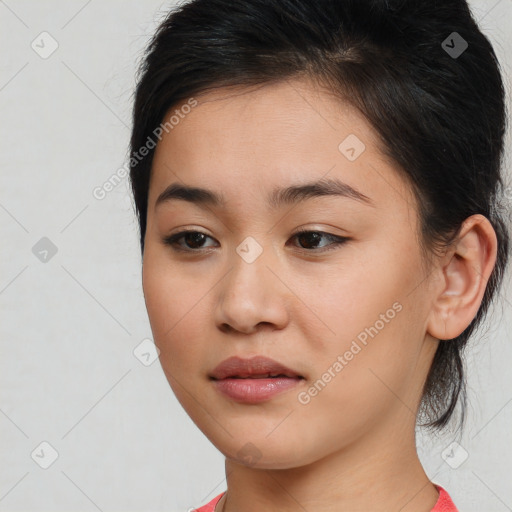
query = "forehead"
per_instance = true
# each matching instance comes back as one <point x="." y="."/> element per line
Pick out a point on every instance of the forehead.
<point x="245" y="142"/>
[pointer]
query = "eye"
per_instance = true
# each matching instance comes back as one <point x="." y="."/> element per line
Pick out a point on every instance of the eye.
<point x="313" y="237"/>
<point x="194" y="240"/>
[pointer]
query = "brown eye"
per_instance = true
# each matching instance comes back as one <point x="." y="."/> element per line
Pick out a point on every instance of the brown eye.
<point x="309" y="239"/>
<point x="193" y="240"/>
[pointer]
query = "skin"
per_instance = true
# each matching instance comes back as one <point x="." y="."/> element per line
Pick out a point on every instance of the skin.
<point x="352" y="447"/>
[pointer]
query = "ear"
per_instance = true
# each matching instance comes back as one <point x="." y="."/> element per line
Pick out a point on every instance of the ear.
<point x="465" y="269"/>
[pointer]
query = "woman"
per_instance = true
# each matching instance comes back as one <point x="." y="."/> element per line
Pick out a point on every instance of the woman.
<point x="317" y="185"/>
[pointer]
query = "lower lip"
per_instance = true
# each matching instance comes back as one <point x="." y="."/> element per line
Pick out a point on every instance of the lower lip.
<point x="255" y="390"/>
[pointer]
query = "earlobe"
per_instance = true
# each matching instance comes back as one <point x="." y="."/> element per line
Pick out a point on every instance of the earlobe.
<point x="465" y="270"/>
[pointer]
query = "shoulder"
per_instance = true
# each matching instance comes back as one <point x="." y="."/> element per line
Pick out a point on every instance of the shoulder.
<point x="210" y="506"/>
<point x="444" y="502"/>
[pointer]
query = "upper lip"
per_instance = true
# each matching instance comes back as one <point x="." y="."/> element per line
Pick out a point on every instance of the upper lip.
<point x="255" y="366"/>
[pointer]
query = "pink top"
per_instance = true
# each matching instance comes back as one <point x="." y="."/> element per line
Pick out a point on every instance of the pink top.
<point x="444" y="503"/>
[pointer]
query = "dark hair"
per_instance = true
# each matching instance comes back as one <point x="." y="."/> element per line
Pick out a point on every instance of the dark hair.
<point x="440" y="116"/>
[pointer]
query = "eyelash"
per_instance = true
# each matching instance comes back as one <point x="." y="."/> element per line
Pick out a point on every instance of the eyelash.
<point x="172" y="241"/>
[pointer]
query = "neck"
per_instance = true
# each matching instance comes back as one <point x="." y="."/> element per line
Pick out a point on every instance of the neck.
<point x="383" y="475"/>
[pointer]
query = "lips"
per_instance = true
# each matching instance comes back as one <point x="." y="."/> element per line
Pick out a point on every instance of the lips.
<point x="258" y="367"/>
<point x="255" y="380"/>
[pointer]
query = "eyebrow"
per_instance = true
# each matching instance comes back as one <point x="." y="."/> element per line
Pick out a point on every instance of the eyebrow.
<point x="276" y="199"/>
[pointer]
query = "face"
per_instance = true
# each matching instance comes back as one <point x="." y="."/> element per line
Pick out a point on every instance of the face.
<point x="344" y="305"/>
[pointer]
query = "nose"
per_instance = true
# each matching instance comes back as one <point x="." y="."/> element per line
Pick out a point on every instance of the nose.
<point x="252" y="296"/>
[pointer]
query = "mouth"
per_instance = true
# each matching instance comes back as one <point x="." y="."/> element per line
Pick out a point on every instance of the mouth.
<point x="255" y="388"/>
<point x="255" y="380"/>
<point x="258" y="367"/>
<point x="263" y="376"/>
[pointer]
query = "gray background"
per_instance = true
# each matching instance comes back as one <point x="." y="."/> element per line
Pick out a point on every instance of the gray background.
<point x="69" y="326"/>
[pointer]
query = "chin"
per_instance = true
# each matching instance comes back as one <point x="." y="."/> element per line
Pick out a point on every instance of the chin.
<point x="263" y="454"/>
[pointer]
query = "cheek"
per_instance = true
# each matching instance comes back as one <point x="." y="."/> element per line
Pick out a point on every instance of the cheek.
<point x="173" y="304"/>
<point x="358" y="383"/>
<point x="374" y="325"/>
<point x="173" y="307"/>
<point x="350" y="298"/>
